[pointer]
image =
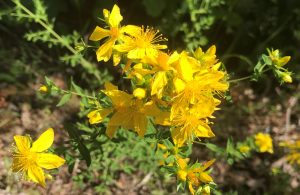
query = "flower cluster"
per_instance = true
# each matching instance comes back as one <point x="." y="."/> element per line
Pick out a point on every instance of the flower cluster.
<point x="177" y="90"/>
<point x="195" y="175"/>
<point x="294" y="151"/>
<point x="260" y="142"/>
<point x="274" y="62"/>
<point x="278" y="62"/>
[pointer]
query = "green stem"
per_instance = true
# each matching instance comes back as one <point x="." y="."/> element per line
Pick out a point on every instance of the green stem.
<point x="197" y="142"/>
<point x="87" y="65"/>
<point x="248" y="77"/>
<point x="81" y="95"/>
<point x="239" y="79"/>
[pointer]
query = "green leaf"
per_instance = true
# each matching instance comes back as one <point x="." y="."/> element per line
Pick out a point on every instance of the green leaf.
<point x="267" y="60"/>
<point x="83" y="150"/>
<point x="65" y="98"/>
<point x="214" y="148"/>
<point x="77" y="89"/>
<point x="48" y="81"/>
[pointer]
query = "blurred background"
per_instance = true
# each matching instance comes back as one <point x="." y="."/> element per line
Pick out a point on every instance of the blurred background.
<point x="40" y="40"/>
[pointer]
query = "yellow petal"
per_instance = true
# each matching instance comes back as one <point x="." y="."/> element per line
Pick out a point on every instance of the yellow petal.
<point x="204" y="130"/>
<point x="116" y="59"/>
<point x="178" y="137"/>
<point x="208" y="164"/>
<point x="179" y="85"/>
<point x="130" y="29"/>
<point x="119" y="98"/>
<point x="106" y="14"/>
<point x="22" y="142"/>
<point x="105" y="51"/>
<point x="43" y="142"/>
<point x="191" y="188"/>
<point x="217" y="66"/>
<point x="162" y="119"/>
<point x="184" y="68"/>
<point x="205" y="166"/>
<point x="49" y="161"/>
<point x="212" y="50"/>
<point x="99" y="33"/>
<point x="284" y="60"/>
<point x="110" y="86"/>
<point x="36" y="174"/>
<point x="115" y="17"/>
<point x="124" y="118"/>
<point x="97" y="116"/>
<point x="159" y="82"/>
<point x="140" y="124"/>
<point x="182" y="163"/>
<point x="110" y="130"/>
<point x="205" y="178"/>
<point x="173" y="58"/>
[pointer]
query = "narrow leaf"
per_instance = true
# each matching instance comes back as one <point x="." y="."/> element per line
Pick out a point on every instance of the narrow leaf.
<point x="65" y="98"/>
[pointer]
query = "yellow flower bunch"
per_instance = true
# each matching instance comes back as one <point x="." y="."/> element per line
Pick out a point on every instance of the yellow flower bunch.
<point x="177" y="90"/>
<point x="294" y="151"/>
<point x="283" y="74"/>
<point x="29" y="158"/>
<point x="194" y="175"/>
<point x="264" y="142"/>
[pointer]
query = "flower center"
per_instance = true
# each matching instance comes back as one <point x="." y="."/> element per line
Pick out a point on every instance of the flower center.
<point x="114" y="32"/>
<point x="147" y="37"/>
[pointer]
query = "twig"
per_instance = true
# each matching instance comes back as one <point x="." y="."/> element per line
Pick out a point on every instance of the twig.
<point x="144" y="180"/>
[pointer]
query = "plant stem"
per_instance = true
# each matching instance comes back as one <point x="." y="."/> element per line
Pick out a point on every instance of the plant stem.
<point x="239" y="79"/>
<point x="248" y="77"/>
<point x="81" y="95"/>
<point x="85" y="64"/>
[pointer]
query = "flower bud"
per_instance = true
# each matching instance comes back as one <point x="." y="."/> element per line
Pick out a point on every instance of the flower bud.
<point x="139" y="93"/>
<point x="206" y="190"/>
<point x="181" y="174"/>
<point x="80" y="47"/>
<point x="43" y="89"/>
<point x="287" y="78"/>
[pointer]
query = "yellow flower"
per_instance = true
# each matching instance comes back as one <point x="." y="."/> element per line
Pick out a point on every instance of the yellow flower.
<point x="193" y="175"/>
<point x="162" y="65"/>
<point x="141" y="43"/>
<point x="207" y="59"/>
<point x="293" y="155"/>
<point x="188" y="124"/>
<point x="97" y="116"/>
<point x="264" y="142"/>
<point x="43" y="89"/>
<point x="194" y="84"/>
<point x="244" y="149"/>
<point x="112" y="34"/>
<point x="29" y="158"/>
<point x="129" y="112"/>
<point x="286" y="77"/>
<point x="277" y="60"/>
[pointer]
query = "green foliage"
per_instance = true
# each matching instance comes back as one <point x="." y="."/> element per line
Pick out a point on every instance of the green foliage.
<point x="35" y="15"/>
